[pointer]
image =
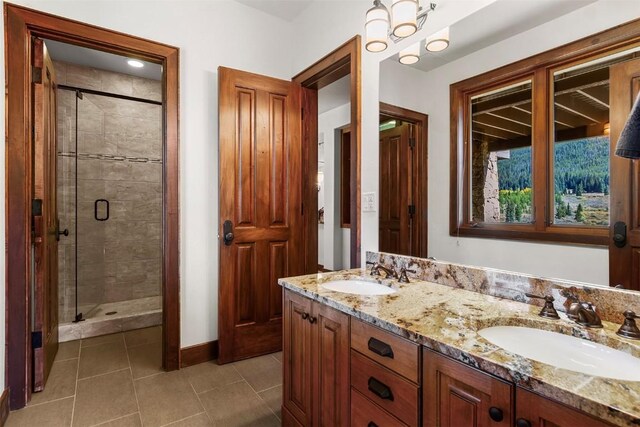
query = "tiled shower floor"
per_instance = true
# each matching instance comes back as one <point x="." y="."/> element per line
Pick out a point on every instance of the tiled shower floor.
<point x="116" y="380"/>
<point x="132" y="314"/>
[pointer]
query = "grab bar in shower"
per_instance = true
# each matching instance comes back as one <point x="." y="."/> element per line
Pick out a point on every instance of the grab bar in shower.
<point x="95" y="209"/>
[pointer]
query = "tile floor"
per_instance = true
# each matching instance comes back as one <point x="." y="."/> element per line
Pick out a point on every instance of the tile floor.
<point x="116" y="380"/>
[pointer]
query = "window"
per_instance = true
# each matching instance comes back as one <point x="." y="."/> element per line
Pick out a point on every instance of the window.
<point x="530" y="145"/>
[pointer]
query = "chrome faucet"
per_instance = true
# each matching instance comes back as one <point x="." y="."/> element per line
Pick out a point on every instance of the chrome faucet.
<point x="376" y="267"/>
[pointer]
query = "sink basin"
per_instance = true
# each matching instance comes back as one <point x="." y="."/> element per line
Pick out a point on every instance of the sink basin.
<point x="566" y="352"/>
<point x="358" y="287"/>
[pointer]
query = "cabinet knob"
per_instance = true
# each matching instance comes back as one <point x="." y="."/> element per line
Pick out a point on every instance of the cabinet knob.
<point x="496" y="414"/>
<point x="313" y="320"/>
<point x="305" y="316"/>
<point x="523" y="423"/>
<point x="372" y="424"/>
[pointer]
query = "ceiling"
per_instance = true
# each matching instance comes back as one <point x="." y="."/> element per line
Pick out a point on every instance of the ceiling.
<point x="334" y="95"/>
<point x="496" y="22"/>
<point x="97" y="59"/>
<point x="284" y="9"/>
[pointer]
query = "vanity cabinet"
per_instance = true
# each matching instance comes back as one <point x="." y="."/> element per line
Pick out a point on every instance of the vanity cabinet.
<point x="458" y="395"/>
<point x="316" y="364"/>
<point x="533" y="410"/>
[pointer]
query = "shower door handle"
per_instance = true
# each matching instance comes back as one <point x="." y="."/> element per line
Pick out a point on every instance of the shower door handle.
<point x="227" y="232"/>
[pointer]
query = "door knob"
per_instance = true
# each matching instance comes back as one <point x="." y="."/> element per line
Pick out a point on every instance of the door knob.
<point x="620" y="234"/>
<point x="227" y="232"/>
<point x="496" y="414"/>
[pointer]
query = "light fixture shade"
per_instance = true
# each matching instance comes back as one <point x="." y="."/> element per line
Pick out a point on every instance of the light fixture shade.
<point x="404" y="15"/>
<point x="439" y="41"/>
<point x="410" y="55"/>
<point x="135" y="63"/>
<point x="376" y="27"/>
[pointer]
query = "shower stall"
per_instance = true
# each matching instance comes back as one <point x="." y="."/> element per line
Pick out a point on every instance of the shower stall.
<point x="109" y="201"/>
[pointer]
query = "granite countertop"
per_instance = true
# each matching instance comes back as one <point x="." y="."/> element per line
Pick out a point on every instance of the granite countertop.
<point x="447" y="319"/>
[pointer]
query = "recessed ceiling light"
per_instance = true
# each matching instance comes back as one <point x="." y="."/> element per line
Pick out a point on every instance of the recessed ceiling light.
<point x="135" y="63"/>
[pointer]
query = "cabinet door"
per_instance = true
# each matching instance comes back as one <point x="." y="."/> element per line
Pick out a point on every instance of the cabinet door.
<point x="456" y="395"/>
<point x="331" y="366"/>
<point x="297" y="354"/>
<point x="536" y="411"/>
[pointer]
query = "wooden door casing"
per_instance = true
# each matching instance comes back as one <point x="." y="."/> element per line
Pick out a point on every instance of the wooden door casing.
<point x="395" y="174"/>
<point x="624" y="263"/>
<point x="45" y="292"/>
<point x="543" y="412"/>
<point x="331" y="366"/>
<point x="260" y="193"/>
<point x="457" y="395"/>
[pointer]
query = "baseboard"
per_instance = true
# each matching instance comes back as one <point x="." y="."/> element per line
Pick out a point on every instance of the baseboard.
<point x="4" y="407"/>
<point x="198" y="353"/>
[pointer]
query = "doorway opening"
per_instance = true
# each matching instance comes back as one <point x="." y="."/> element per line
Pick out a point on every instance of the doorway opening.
<point x="32" y="161"/>
<point x="403" y="210"/>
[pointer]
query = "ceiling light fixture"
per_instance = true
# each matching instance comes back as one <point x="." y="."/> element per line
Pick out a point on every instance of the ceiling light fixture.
<point x="405" y="19"/>
<point x="410" y="55"/>
<point x="135" y="63"/>
<point x="439" y="41"/>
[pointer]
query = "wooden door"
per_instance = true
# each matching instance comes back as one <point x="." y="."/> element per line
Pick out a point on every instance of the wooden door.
<point x="45" y="221"/>
<point x="297" y="358"/>
<point x="330" y="347"/>
<point x="624" y="262"/>
<point x="538" y="411"/>
<point x="260" y="197"/>
<point x="395" y="172"/>
<point x="457" y="395"/>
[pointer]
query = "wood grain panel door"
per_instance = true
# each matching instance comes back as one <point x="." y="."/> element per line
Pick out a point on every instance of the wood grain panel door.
<point x="624" y="261"/>
<point x="541" y="412"/>
<point x="456" y="395"/>
<point x="331" y="366"/>
<point x="45" y="221"/>
<point x="298" y="349"/>
<point x="395" y="172"/>
<point x="260" y="209"/>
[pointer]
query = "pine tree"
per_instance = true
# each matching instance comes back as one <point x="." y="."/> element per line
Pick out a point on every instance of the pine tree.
<point x="518" y="212"/>
<point x="511" y="212"/>
<point x="579" y="190"/>
<point x="606" y="190"/>
<point x="568" y="210"/>
<point x="580" y="213"/>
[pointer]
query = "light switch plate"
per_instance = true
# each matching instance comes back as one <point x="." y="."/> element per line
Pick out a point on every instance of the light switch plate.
<point x="369" y="202"/>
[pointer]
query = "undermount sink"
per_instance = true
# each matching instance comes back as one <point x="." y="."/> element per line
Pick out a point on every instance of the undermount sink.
<point x="564" y="351"/>
<point x="358" y="287"/>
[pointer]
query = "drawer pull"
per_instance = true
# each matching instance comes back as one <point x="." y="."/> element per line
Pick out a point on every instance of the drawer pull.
<point x="372" y="424"/>
<point x="380" y="389"/>
<point x="496" y="414"/>
<point x="523" y="423"/>
<point x="380" y="348"/>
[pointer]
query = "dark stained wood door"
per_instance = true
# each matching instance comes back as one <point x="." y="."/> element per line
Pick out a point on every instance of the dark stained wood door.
<point x="395" y="173"/>
<point x="45" y="221"/>
<point x="260" y="196"/>
<point x="456" y="395"/>
<point x="624" y="262"/>
<point x="542" y="412"/>
<point x="297" y="354"/>
<point x="330" y="347"/>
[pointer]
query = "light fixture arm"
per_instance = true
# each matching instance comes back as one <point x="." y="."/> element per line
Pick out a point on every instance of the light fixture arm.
<point x="423" y="13"/>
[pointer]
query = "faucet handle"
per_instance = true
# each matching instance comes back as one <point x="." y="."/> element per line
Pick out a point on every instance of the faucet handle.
<point x="375" y="268"/>
<point x="403" y="275"/>
<point x="629" y="329"/>
<point x="548" y="310"/>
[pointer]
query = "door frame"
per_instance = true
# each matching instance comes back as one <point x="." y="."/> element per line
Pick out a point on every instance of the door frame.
<point x="345" y="60"/>
<point x="20" y="25"/>
<point x="421" y="176"/>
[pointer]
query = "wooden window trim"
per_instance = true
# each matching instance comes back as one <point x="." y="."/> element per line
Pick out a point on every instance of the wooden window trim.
<point x="538" y="68"/>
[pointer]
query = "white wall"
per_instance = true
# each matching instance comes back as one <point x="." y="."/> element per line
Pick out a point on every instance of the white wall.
<point x="582" y="263"/>
<point x="207" y="34"/>
<point x="333" y="244"/>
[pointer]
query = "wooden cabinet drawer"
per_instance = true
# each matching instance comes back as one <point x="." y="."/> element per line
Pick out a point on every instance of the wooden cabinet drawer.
<point x="385" y="388"/>
<point x="365" y="413"/>
<point x="396" y="353"/>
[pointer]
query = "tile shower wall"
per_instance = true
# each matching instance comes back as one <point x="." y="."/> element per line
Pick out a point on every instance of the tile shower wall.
<point x="119" y="159"/>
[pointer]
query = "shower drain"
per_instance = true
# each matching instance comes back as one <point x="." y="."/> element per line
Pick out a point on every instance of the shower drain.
<point x="110" y="313"/>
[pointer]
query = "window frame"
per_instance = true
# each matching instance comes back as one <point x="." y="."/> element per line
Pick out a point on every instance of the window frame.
<point x="539" y="69"/>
